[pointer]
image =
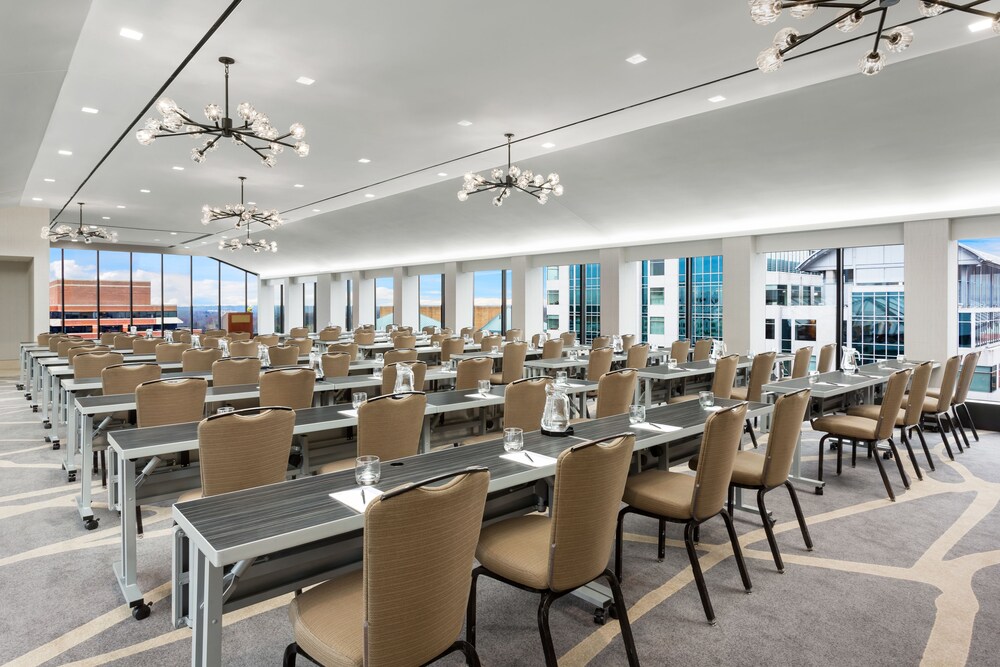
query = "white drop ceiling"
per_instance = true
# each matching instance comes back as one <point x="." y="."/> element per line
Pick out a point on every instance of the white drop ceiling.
<point x="811" y="144"/>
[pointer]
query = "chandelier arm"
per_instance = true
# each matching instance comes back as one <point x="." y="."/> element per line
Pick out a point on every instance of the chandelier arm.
<point x="967" y="8"/>
<point x="881" y="26"/>
<point x="805" y="38"/>
<point x="824" y="5"/>
<point x="208" y="130"/>
<point x="527" y="192"/>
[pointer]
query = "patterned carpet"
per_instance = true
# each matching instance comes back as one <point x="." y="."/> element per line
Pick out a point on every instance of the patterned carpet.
<point x="906" y="583"/>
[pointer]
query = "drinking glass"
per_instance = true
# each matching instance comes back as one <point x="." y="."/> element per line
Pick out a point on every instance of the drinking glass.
<point x="379" y="358"/>
<point x="706" y="399"/>
<point x="812" y="376"/>
<point x="495" y="349"/>
<point x="358" y="399"/>
<point x="636" y="414"/>
<point x="900" y="358"/>
<point x="225" y="410"/>
<point x="484" y="387"/>
<point x="448" y="365"/>
<point x="671" y="362"/>
<point x="377" y="372"/>
<point x="750" y="354"/>
<point x="562" y="378"/>
<point x="367" y="470"/>
<point x="572" y="355"/>
<point x="517" y="339"/>
<point x="513" y="439"/>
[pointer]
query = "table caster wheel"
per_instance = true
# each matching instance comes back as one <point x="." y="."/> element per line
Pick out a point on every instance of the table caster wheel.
<point x="819" y="491"/>
<point x="19" y="387"/>
<point x="90" y="524"/>
<point x="46" y="424"/>
<point x="140" y="612"/>
<point x="34" y="408"/>
<point x="55" y="444"/>
<point x="600" y="617"/>
<point x="71" y="477"/>
<point x="886" y="455"/>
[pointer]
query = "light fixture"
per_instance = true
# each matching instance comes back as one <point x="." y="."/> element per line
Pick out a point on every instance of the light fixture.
<point x="128" y="33"/>
<point x="305" y="81"/>
<point x="36" y="199"/>
<point x="242" y="213"/>
<point x="178" y="168"/>
<point x="364" y="160"/>
<point x="89" y="110"/>
<point x="465" y="123"/>
<point x="442" y="173"/>
<point x="65" y="152"/>
<point x="535" y="185"/>
<point x="49" y="180"/>
<point x="82" y="232"/>
<point x="257" y="245"/>
<point x="548" y="144"/>
<point x="298" y="185"/>
<point x="636" y="59"/>
<point x="715" y="99"/>
<point x="120" y="206"/>
<point x="369" y="195"/>
<point x="256" y="128"/>
<point x="144" y="191"/>
<point x="849" y="18"/>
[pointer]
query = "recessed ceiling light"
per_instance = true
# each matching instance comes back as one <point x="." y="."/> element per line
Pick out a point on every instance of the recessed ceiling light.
<point x="299" y="185"/>
<point x="128" y="33"/>
<point x="145" y="191"/>
<point x="173" y="233"/>
<point x="105" y="217"/>
<point x="49" y="180"/>
<point x="156" y="239"/>
<point x="64" y="152"/>
<point x="178" y="168"/>
<point x="716" y="98"/>
<point x="120" y="206"/>
<point x="204" y="242"/>
<point x="88" y="110"/>
<point x="36" y="199"/>
<point x="979" y="26"/>
<point x="465" y="123"/>
<point x="369" y="195"/>
<point x="305" y="81"/>
<point x="548" y="144"/>
<point x="442" y="174"/>
<point x="252" y="203"/>
<point x="224" y="236"/>
<point x="187" y="247"/>
<point x="636" y="59"/>
<point x="316" y="210"/>
<point x="364" y="160"/>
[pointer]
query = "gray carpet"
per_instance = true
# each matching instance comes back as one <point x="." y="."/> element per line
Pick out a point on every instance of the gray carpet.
<point x="916" y="581"/>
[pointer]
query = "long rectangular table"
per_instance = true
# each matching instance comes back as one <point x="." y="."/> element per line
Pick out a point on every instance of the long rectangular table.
<point x="309" y="537"/>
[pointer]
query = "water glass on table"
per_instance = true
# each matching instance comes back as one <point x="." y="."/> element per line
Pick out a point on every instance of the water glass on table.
<point x="225" y="410"/>
<point x="367" y="471"/>
<point x="562" y="378"/>
<point x="812" y="376"/>
<point x="706" y="399"/>
<point x="358" y="399"/>
<point x="484" y="387"/>
<point x="513" y="439"/>
<point x="671" y="362"/>
<point x="636" y="414"/>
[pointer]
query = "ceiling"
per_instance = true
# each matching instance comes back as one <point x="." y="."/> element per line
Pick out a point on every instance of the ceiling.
<point x="811" y="144"/>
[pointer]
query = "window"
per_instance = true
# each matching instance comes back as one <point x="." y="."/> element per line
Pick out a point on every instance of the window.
<point x="252" y="304"/>
<point x="656" y="296"/>
<point x="114" y="296"/>
<point x="979" y="311"/>
<point x="384" y="301"/>
<point x="232" y="290"/>
<point x="552" y="322"/>
<point x="205" y="292"/>
<point x="552" y="273"/>
<point x="78" y="296"/>
<point x="279" y="307"/>
<point x="55" y="291"/>
<point x="805" y="330"/>
<point x="487" y="301"/>
<point x="309" y="306"/>
<point x="705" y="318"/>
<point x="656" y="267"/>
<point x="553" y="297"/>
<point x="177" y="289"/>
<point x="769" y="329"/>
<point x="147" y="295"/>
<point x="431" y="300"/>
<point x="796" y="296"/>
<point x="578" y="302"/>
<point x="656" y="325"/>
<point x="786" y="335"/>
<point x="659" y="282"/>
<point x="776" y="295"/>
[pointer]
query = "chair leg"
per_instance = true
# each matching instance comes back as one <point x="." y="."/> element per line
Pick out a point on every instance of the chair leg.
<point x="619" y="543"/>
<point x="881" y="470"/>
<point x="661" y="541"/>
<point x="923" y="443"/>
<point x="769" y="531"/>
<point x="957" y="422"/>
<point x="909" y="451"/>
<point x="138" y="521"/>
<point x="291" y="652"/>
<point x="954" y="433"/>
<point x="730" y="498"/>
<point x="626" y="627"/>
<point x="822" y="442"/>
<point x="798" y="515"/>
<point x="854" y="454"/>
<point x="753" y="436"/>
<point x="471" y="656"/>
<point x="899" y="463"/>
<point x="543" y="628"/>
<point x="104" y="469"/>
<point x="470" y="609"/>
<point x="944" y="437"/>
<point x="737" y="551"/>
<point x="699" y="577"/>
<point x="972" y="424"/>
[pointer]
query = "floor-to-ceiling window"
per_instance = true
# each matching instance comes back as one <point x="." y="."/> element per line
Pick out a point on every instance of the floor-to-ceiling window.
<point x="681" y="299"/>
<point x="252" y="303"/>
<point x="309" y="305"/>
<point x="384" y="288"/>
<point x="148" y="310"/>
<point x="573" y="299"/>
<point x="431" y="300"/>
<point x="232" y="290"/>
<point x="114" y="298"/>
<point x="79" y="292"/>
<point x="488" y="302"/>
<point x="279" y="307"/>
<point x="55" y="290"/>
<point x="177" y="289"/>
<point x="979" y="311"/>
<point x="205" y="292"/>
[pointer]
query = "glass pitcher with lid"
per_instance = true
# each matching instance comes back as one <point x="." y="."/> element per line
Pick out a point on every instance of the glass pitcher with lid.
<point x="718" y="350"/>
<point x="849" y="361"/>
<point x="555" y="417"/>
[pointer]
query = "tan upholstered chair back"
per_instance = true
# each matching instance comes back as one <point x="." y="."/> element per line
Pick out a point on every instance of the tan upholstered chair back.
<point x="331" y="333"/>
<point x="513" y="334"/>
<point x="402" y="354"/>
<point x="182" y="337"/>
<point x="214" y="342"/>
<point x="107" y="338"/>
<point x="90" y="364"/>
<point x="477" y="336"/>
<point x="419" y="545"/>
<point x="145" y="345"/>
<point x="199" y="361"/>
<point x="288" y="387"/>
<point x="283" y="355"/>
<point x="65" y="346"/>
<point x="125" y="378"/>
<point x="513" y="361"/>
<point x="965" y="377"/>
<point x="599" y="363"/>
<point x="439" y="338"/>
<point x="305" y="345"/>
<point x="244" y="449"/>
<point x="175" y="401"/>
<point x="242" y="349"/>
<point x="124" y="342"/>
<point x="719" y="445"/>
<point x="786" y="426"/>
<point x="213" y="333"/>
<point x="590" y="480"/>
<point x="637" y="356"/>
<point x="615" y="391"/>
<point x="365" y="327"/>
<point x="452" y="346"/>
<point x="892" y="400"/>
<point x="491" y="341"/>
<point x="800" y="363"/>
<point x="73" y="352"/>
<point x="725" y="376"/>
<point x="467" y="331"/>
<point x="42" y="339"/>
<point x="389" y="426"/>
<point x="347" y="348"/>
<point x="553" y="349"/>
<point x="429" y="329"/>
<point x="600" y="341"/>
<point x="229" y="372"/>
<point x="567" y="337"/>
<point x="948" y="380"/>
<point x="335" y="364"/>
<point x="703" y="349"/>
<point x="534" y="339"/>
<point x="299" y="332"/>
<point x="524" y="403"/>
<point x="679" y="350"/>
<point x="628" y="340"/>
<point x="268" y="340"/>
<point x="760" y="373"/>
<point x="419" y="369"/>
<point x="404" y="341"/>
<point x="447" y="330"/>
<point x="827" y="358"/>
<point x="364" y="337"/>
<point x="919" y="382"/>
<point x="240" y="337"/>
<point x="471" y="371"/>
<point x="55" y="339"/>
<point x="400" y="331"/>
<point x="170" y="353"/>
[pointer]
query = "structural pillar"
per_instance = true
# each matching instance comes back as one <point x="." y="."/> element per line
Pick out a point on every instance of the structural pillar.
<point x="930" y="291"/>
<point x="619" y="293"/>
<point x="527" y="295"/>
<point x="743" y="287"/>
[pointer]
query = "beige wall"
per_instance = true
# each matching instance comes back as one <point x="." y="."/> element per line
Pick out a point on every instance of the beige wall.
<point x="24" y="309"/>
<point x="15" y="304"/>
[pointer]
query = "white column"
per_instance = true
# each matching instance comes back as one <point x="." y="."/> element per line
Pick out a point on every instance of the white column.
<point x="457" y="297"/>
<point x="338" y="302"/>
<point x="620" y="284"/>
<point x="406" y="299"/>
<point x="743" y="284"/>
<point x="324" y="288"/>
<point x="364" y="300"/>
<point x="930" y="274"/>
<point x="293" y="305"/>
<point x="265" y="307"/>
<point x="527" y="297"/>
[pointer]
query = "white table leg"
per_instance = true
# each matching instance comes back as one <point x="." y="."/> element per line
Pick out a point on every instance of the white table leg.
<point x="206" y="611"/>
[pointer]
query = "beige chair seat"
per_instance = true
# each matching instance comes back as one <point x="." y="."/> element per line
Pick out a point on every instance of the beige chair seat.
<point x="739" y="393"/>
<point x="496" y="378"/>
<point x="684" y="398"/>
<point x="930" y="404"/>
<point x="847" y="426"/>
<point x="485" y="437"/>
<point x="193" y="494"/>
<point x="337" y="466"/>
<point x="518" y="549"/>
<point x="872" y="412"/>
<point x="325" y="636"/>
<point x="748" y="468"/>
<point x="933" y="392"/>
<point x="661" y="492"/>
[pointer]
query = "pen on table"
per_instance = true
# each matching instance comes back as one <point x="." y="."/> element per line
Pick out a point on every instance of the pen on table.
<point x="363" y="496"/>
<point x="528" y="456"/>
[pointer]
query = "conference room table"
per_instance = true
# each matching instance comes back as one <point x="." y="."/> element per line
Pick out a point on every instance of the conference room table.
<point x="309" y="537"/>
<point x="132" y="445"/>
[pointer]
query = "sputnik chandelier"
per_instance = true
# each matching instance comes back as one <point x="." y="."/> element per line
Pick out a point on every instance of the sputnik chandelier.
<point x="849" y="18"/>
<point x="82" y="232"/>
<point x="535" y="185"/>
<point x="256" y="133"/>
<point x="257" y="245"/>
<point x="242" y="213"/>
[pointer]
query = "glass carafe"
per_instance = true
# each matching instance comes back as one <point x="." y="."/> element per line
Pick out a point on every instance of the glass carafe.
<point x="555" y="418"/>
<point x="849" y="362"/>
<point x="224" y="346"/>
<point x="168" y="336"/>
<point x="616" y="343"/>
<point x="404" y="379"/>
<point x="195" y="341"/>
<point x="265" y="356"/>
<point x="718" y="350"/>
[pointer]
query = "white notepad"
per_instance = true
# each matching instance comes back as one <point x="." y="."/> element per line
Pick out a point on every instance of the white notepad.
<point x="536" y="460"/>
<point x="713" y="408"/>
<point x="656" y="428"/>
<point x="352" y="498"/>
<point x="481" y="396"/>
<point x="350" y="413"/>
